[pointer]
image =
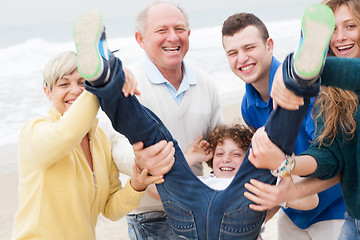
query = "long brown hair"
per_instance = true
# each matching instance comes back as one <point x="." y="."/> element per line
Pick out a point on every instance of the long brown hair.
<point x="335" y="106"/>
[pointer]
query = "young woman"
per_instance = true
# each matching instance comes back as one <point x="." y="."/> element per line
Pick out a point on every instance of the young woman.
<point x="335" y="150"/>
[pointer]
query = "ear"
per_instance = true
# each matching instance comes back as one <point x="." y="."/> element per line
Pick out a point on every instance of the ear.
<point x="270" y="45"/>
<point x="140" y="39"/>
<point x="189" y="33"/>
<point x="47" y="92"/>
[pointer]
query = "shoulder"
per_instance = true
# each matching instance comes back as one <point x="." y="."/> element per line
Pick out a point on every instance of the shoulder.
<point x="31" y="124"/>
<point x="204" y="79"/>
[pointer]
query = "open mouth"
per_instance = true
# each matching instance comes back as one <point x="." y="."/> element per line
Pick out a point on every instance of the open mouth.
<point x="226" y="169"/>
<point x="171" y="49"/>
<point x="247" y="68"/>
<point x="345" y="49"/>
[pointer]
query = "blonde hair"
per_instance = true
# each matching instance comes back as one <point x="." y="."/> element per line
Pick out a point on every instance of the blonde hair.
<point x="141" y="20"/>
<point x="354" y="6"/>
<point x="335" y="106"/>
<point x="59" y="66"/>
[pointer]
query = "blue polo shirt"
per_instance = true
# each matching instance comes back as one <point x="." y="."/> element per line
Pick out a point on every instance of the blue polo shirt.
<point x="255" y="112"/>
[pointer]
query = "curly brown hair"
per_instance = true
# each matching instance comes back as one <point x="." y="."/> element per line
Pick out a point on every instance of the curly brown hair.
<point x="237" y="132"/>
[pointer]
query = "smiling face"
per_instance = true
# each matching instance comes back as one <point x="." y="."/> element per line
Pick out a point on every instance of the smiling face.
<point x="249" y="55"/>
<point x="65" y="91"/>
<point x="346" y="38"/>
<point x="228" y="158"/>
<point x="166" y="36"/>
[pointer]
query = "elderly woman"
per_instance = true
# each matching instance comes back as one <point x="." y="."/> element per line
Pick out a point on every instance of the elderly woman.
<point x="67" y="175"/>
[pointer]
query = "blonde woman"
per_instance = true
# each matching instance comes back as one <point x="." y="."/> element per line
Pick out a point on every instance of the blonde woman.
<point x="67" y="175"/>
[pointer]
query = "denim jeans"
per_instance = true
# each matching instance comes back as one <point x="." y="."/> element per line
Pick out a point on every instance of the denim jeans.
<point x="350" y="229"/>
<point x="194" y="210"/>
<point x="149" y="226"/>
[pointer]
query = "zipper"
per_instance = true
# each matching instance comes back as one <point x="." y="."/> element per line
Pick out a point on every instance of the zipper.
<point x="94" y="179"/>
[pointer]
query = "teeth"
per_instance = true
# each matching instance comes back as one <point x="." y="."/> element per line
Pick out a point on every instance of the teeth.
<point x="172" y="49"/>
<point x="345" y="47"/>
<point x="70" y="102"/>
<point x="226" y="169"/>
<point x="246" y="68"/>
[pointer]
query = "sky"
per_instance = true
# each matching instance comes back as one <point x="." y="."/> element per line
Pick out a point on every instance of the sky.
<point x="22" y="19"/>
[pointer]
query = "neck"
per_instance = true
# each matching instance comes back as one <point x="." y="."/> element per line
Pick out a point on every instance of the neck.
<point x="174" y="76"/>
<point x="262" y="87"/>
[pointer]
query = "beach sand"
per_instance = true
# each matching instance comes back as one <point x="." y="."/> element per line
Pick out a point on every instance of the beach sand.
<point x="105" y="229"/>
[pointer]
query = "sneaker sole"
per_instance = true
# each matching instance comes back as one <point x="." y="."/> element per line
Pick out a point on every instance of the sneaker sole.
<point x="86" y="34"/>
<point x="317" y="26"/>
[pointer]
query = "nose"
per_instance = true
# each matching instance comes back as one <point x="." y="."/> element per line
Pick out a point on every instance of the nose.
<point x="242" y="58"/>
<point x="226" y="158"/>
<point x="173" y="35"/>
<point x="340" y="35"/>
<point x="76" y="89"/>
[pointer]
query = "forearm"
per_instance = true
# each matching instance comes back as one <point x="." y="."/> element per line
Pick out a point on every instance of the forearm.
<point x="305" y="203"/>
<point x="309" y="186"/>
<point x="123" y="154"/>
<point x="305" y="165"/>
<point x="342" y="73"/>
<point x="48" y="141"/>
<point x="122" y="202"/>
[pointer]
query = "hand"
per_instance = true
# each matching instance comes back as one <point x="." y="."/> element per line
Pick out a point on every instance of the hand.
<point x="198" y="152"/>
<point x="158" y="158"/>
<point x="140" y="180"/>
<point x="264" y="153"/>
<point x="282" y="96"/>
<point x="130" y="84"/>
<point x="266" y="196"/>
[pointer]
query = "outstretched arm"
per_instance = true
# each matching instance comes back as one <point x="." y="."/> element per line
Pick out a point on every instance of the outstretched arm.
<point x="338" y="72"/>
<point x="267" y="196"/>
<point x="342" y="73"/>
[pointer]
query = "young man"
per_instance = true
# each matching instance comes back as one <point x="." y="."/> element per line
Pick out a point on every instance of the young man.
<point x="195" y="212"/>
<point x="183" y="96"/>
<point x="250" y="53"/>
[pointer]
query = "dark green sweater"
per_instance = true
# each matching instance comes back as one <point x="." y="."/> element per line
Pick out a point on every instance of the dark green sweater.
<point x="343" y="155"/>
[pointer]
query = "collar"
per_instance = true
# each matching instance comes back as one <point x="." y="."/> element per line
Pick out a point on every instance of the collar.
<point x="155" y="76"/>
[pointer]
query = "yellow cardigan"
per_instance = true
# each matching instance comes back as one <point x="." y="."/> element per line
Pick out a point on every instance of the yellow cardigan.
<point x="59" y="196"/>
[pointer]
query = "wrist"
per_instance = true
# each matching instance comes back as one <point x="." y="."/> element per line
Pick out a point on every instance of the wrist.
<point x="137" y="187"/>
<point x="285" y="167"/>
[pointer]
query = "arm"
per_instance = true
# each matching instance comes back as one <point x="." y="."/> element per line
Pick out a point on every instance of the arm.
<point x="262" y="148"/>
<point x="267" y="196"/>
<point x="337" y="72"/>
<point x="123" y="200"/>
<point x="48" y="141"/>
<point x="303" y="203"/>
<point x="342" y="73"/>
